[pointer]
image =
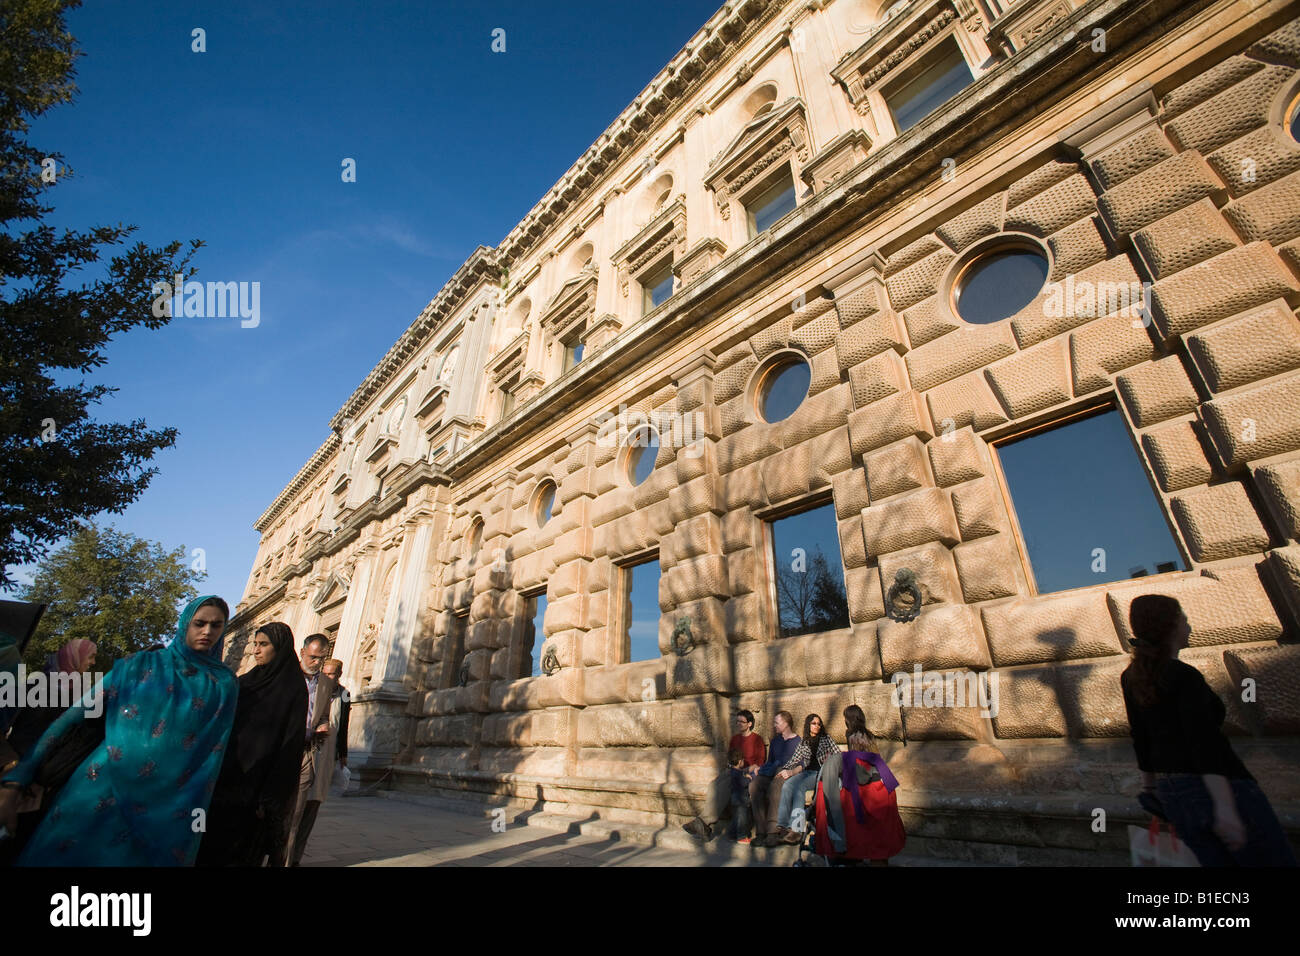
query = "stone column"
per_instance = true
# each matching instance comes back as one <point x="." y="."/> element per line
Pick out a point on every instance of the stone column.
<point x="353" y="614"/>
<point x="402" y="616"/>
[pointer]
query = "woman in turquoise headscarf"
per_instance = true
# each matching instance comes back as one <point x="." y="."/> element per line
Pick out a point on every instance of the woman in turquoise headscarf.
<point x="136" y="799"/>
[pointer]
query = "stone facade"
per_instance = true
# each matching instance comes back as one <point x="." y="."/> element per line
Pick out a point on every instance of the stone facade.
<point x="1144" y="141"/>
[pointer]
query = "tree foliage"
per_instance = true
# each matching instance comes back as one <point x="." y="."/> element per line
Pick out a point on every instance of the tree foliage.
<point x="112" y="588"/>
<point x="60" y="466"/>
<point x="810" y="599"/>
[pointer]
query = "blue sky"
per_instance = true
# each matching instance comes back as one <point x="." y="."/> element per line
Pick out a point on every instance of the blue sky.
<point x="242" y="146"/>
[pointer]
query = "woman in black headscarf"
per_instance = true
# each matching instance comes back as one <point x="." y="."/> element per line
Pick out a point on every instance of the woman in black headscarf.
<point x="258" y="784"/>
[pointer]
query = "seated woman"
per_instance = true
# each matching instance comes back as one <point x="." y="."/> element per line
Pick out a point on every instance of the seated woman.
<point x="876" y="831"/>
<point x="800" y="773"/>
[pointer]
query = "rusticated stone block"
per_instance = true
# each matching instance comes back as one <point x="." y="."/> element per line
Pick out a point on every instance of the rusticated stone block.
<point x="964" y="402"/>
<point x="1176" y="456"/>
<point x="1135" y="154"/>
<point x="1044" y="177"/>
<point x="746" y="447"/>
<point x="817" y="334"/>
<point x="1234" y="112"/>
<point x="978" y="509"/>
<point x="1255" y="424"/>
<point x="816" y="416"/>
<point x="1254" y="161"/>
<point x="1166" y="187"/>
<point x="1028" y="703"/>
<point x="741" y="574"/>
<point x="1091" y="698"/>
<point x="1157" y="391"/>
<point x="1237" y="280"/>
<point x="1034" y="380"/>
<point x="762" y="665"/>
<point x="870" y="336"/>
<point x="1110" y="287"/>
<point x="1208" y="83"/>
<point x="1040" y="630"/>
<point x="693" y="498"/>
<point x="513" y="695"/>
<point x="850" y="492"/>
<point x="909" y="520"/>
<point x="825" y="372"/>
<point x="1284" y="566"/>
<point x="1275" y="672"/>
<point x="1271" y="213"/>
<point x="852" y="550"/>
<point x="980" y="220"/>
<point x="838" y="657"/>
<point x="1104" y="347"/>
<point x="927" y="320"/>
<point x="775" y="336"/>
<point x="1279" y="485"/>
<point x="563" y="688"/>
<point x="698" y="722"/>
<point x="955" y="457"/>
<point x="866" y="599"/>
<point x="550" y="728"/>
<point x="1219" y="522"/>
<point x="646" y="680"/>
<point x="569" y="579"/>
<point x="912" y="253"/>
<point x="1280" y="46"/>
<point x="932" y="564"/>
<point x="987" y="569"/>
<point x="734" y="416"/>
<point x="1259" y="344"/>
<point x="693" y="579"/>
<point x="895" y="468"/>
<point x="738" y="530"/>
<point x="1077" y="247"/>
<point x="919" y="281"/>
<point x="1229" y="606"/>
<point x="805" y="467"/>
<point x="944" y="723"/>
<point x="625" y="725"/>
<point x="942" y="638"/>
<point x="698" y="536"/>
<point x="1054" y="208"/>
<point x="743" y="619"/>
<point x="706" y="668"/>
<point x="877" y="378"/>
<point x="959" y="352"/>
<point x="605" y="685"/>
<point x="888" y="421"/>
<point x="743" y="488"/>
<point x="1185" y="238"/>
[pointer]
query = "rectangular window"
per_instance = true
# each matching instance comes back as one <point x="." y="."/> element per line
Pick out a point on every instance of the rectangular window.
<point x="923" y="88"/>
<point x="771" y="204"/>
<point x="641" y="611"/>
<point x="657" y="287"/>
<point x="534" y="636"/>
<point x="573" y="353"/>
<point x="808" y="572"/>
<point x="507" y="401"/>
<point x="1086" y="511"/>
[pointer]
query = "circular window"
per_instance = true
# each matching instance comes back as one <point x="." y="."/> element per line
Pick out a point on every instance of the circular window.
<point x="544" y="503"/>
<point x="474" y="540"/>
<point x="643" y="445"/>
<point x="783" y="388"/>
<point x="999" y="283"/>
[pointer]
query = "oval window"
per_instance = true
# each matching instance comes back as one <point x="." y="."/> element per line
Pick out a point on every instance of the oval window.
<point x="783" y="389"/>
<point x="545" y="503"/>
<point x="1293" y="127"/>
<point x="999" y="284"/>
<point x="644" y="450"/>
<point x="475" y="540"/>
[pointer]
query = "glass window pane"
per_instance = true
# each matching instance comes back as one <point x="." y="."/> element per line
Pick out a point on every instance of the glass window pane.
<point x="507" y="403"/>
<point x="1079" y="488"/>
<point x="1295" y="124"/>
<point x="642" y="611"/>
<point x="645" y="450"/>
<point x="1001" y="284"/>
<point x="658" y="287"/>
<point x="784" y="390"/>
<point x="774" y="203"/>
<point x="938" y="79"/>
<point x="535" y="637"/>
<point x="809" y="573"/>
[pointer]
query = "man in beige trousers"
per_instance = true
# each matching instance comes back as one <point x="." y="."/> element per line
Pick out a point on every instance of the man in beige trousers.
<point x="318" y="757"/>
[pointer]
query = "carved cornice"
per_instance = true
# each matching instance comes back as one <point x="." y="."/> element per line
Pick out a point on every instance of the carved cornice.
<point x="305" y="475"/>
<point x="666" y="230"/>
<point x="509" y="358"/>
<point x="889" y="45"/>
<point x="575" y="302"/>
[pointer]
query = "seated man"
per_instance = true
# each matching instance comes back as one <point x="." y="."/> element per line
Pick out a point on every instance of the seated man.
<point x="765" y="791"/>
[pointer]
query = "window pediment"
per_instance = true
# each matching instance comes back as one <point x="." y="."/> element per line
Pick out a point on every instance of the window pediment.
<point x="667" y="230"/>
<point x="334" y="590"/>
<point x="765" y="141"/>
<point x="892" y="42"/>
<point x="574" y="303"/>
<point x="510" y="358"/>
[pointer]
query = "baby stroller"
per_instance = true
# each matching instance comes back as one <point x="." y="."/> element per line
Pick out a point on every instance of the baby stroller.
<point x="874" y="830"/>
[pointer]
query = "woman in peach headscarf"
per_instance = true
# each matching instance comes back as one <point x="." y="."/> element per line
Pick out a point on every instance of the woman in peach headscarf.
<point x="75" y="657"/>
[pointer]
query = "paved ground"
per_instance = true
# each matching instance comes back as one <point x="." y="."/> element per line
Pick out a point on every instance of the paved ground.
<point x="397" y="830"/>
